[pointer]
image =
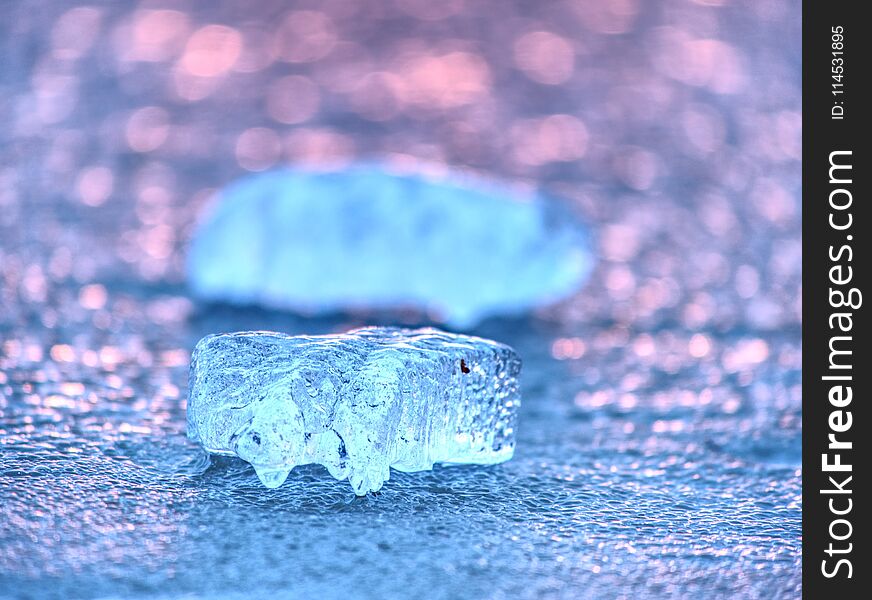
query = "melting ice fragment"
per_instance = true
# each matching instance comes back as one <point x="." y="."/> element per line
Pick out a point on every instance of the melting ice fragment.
<point x="357" y="403"/>
<point x="323" y="241"/>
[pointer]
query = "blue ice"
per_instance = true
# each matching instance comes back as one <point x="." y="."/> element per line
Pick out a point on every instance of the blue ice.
<point x="358" y="403"/>
<point x="324" y="241"/>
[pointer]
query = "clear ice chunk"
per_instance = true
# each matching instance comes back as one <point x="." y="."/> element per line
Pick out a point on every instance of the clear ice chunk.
<point x="357" y="403"/>
<point x="327" y="241"/>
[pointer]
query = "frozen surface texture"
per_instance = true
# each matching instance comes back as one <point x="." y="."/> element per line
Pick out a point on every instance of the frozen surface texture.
<point x="640" y="470"/>
<point x="323" y="241"/>
<point x="357" y="403"/>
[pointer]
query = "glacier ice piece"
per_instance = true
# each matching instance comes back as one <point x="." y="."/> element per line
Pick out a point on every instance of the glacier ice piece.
<point x="357" y="403"/>
<point x="327" y="241"/>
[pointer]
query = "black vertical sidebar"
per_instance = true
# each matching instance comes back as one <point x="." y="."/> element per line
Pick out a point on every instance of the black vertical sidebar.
<point x="837" y="437"/>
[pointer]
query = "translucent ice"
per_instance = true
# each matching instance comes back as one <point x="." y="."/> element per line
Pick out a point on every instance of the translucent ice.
<point x="357" y="403"/>
<point x="325" y="241"/>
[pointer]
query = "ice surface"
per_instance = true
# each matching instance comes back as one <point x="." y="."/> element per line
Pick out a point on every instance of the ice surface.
<point x="326" y="241"/>
<point x="688" y="486"/>
<point x="357" y="403"/>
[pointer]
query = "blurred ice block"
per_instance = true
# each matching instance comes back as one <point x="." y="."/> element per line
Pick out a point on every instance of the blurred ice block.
<point x="318" y="241"/>
<point x="357" y="403"/>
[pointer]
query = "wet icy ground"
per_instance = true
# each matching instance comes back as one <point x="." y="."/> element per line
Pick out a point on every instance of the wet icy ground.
<point x="659" y="440"/>
<point x="635" y="473"/>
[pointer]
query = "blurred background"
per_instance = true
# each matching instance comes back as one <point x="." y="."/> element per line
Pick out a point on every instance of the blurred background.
<point x="659" y="444"/>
